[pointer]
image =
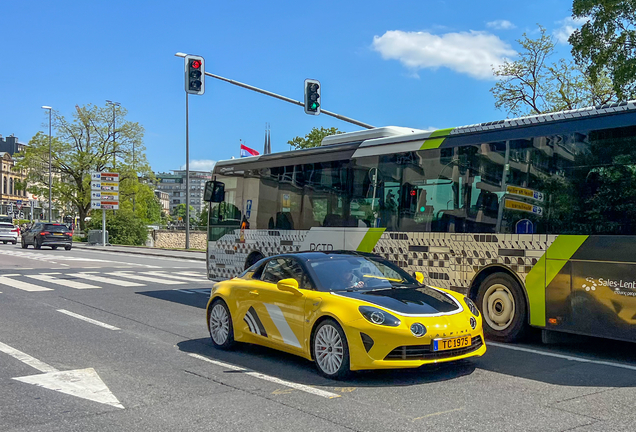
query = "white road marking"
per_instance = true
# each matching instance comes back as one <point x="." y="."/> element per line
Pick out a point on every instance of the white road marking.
<point x="53" y="273"/>
<point x="183" y="291"/>
<point x="95" y="278"/>
<point x="301" y="387"/>
<point x="63" y="282"/>
<point x="146" y="278"/>
<point x="195" y="274"/>
<point x="90" y="320"/>
<point x="25" y="358"/>
<point x="282" y="325"/>
<point x="83" y="383"/>
<point x="561" y="356"/>
<point x="25" y="286"/>
<point x="183" y="278"/>
<point x="10" y="275"/>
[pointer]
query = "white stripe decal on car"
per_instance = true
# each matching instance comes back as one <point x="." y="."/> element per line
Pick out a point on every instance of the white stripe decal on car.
<point x="281" y="324"/>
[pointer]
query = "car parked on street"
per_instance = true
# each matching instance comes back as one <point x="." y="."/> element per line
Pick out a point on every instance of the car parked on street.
<point x="8" y="233"/>
<point x="48" y="234"/>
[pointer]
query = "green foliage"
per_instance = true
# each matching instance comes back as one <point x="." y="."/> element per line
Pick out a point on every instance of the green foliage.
<point x="203" y="219"/>
<point x="531" y="85"/>
<point x="180" y="212"/>
<point x="607" y="42"/>
<point x="83" y="145"/>
<point x="313" y="138"/>
<point x="123" y="228"/>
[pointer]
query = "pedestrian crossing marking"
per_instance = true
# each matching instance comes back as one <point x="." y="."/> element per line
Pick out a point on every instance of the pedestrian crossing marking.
<point x="172" y="276"/>
<point x="112" y="281"/>
<point x="146" y="278"/>
<point x="63" y="282"/>
<point x="25" y="286"/>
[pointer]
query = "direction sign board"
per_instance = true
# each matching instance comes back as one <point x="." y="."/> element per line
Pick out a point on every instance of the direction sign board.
<point x="524" y="207"/>
<point x="105" y="190"/>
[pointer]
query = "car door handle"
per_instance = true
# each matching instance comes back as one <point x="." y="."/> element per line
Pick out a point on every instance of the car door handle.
<point x="254" y="293"/>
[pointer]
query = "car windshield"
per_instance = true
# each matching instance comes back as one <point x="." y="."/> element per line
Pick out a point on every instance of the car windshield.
<point x="348" y="272"/>
<point x="55" y="228"/>
<point x="6" y="225"/>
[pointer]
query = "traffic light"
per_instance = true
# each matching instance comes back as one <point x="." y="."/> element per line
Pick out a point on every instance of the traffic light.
<point x="194" y="74"/>
<point x="312" y="97"/>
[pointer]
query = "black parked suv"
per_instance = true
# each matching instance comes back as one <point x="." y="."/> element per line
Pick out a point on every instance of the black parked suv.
<point x="48" y="234"/>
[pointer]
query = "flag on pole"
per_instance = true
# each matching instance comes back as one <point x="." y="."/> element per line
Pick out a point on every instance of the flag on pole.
<point x="269" y="139"/>
<point x="247" y="152"/>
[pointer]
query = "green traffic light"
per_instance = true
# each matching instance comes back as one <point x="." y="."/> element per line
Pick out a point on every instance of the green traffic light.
<point x="422" y="209"/>
<point x="314" y="106"/>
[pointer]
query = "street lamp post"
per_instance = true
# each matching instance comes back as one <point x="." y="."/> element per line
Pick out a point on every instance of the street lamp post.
<point x="50" y="109"/>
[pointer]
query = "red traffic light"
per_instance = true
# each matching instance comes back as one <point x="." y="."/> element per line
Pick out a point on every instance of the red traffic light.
<point x="413" y="193"/>
<point x="195" y="64"/>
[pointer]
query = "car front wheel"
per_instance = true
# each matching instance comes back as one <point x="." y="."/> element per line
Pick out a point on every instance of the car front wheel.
<point x="220" y="321"/>
<point x="36" y="244"/>
<point x="24" y="245"/>
<point x="330" y="350"/>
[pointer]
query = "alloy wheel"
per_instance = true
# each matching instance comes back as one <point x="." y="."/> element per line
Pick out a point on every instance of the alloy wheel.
<point x="328" y="349"/>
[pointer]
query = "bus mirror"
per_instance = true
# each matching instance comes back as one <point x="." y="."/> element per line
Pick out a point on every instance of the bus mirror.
<point x="214" y="191"/>
<point x="419" y="277"/>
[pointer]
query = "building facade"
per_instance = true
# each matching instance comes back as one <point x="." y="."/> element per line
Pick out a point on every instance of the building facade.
<point x="174" y="184"/>
<point x="164" y="199"/>
<point x="12" y="181"/>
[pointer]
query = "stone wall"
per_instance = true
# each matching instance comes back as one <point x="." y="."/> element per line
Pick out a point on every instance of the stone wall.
<point x="175" y="239"/>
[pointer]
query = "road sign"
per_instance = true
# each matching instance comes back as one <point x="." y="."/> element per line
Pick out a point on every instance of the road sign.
<point x="18" y="204"/>
<point x="248" y="209"/>
<point x="526" y="193"/>
<point x="524" y="207"/>
<point x="105" y="190"/>
<point x="524" y="226"/>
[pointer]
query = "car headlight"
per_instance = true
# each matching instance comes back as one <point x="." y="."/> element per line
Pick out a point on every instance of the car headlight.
<point x="378" y="316"/>
<point x="472" y="307"/>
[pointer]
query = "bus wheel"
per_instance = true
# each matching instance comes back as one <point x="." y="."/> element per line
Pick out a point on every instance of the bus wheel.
<point x="252" y="259"/>
<point x="503" y="305"/>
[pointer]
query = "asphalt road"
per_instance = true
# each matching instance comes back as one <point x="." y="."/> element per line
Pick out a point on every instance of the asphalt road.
<point x="100" y="341"/>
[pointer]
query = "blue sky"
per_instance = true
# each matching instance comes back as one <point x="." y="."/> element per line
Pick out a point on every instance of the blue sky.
<point x="421" y="64"/>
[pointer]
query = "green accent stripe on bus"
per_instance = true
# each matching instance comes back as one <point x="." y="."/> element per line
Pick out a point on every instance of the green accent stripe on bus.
<point x="537" y="280"/>
<point x="433" y="142"/>
<point x="370" y="239"/>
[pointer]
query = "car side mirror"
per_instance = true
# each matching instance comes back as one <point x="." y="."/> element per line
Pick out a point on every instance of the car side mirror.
<point x="214" y="191"/>
<point x="289" y="285"/>
<point x="419" y="277"/>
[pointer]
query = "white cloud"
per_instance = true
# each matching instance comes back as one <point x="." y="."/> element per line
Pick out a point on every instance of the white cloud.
<point x="568" y="25"/>
<point x="201" y="165"/>
<point x="500" y="25"/>
<point x="472" y="53"/>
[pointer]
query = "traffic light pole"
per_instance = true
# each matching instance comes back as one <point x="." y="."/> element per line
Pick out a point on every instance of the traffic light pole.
<point x="187" y="242"/>
<point x="286" y="99"/>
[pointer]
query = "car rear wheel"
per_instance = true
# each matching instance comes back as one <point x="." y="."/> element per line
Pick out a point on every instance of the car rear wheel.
<point x="330" y="350"/>
<point x="503" y="305"/>
<point x="15" y="242"/>
<point x="4" y="241"/>
<point x="67" y="247"/>
<point x="53" y="247"/>
<point x="220" y="322"/>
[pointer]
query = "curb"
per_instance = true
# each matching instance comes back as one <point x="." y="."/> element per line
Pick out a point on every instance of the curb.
<point x="135" y="251"/>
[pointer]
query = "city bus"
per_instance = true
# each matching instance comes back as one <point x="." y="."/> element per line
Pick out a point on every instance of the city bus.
<point x="534" y="218"/>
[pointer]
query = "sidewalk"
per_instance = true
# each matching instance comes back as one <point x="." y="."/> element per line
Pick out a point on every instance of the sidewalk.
<point x="141" y="250"/>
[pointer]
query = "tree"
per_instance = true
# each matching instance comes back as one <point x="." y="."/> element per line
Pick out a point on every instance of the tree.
<point x="180" y="212"/>
<point x="313" y="138"/>
<point x="203" y="218"/>
<point x="606" y="43"/>
<point x="530" y="85"/>
<point x="124" y="227"/>
<point x="80" y="146"/>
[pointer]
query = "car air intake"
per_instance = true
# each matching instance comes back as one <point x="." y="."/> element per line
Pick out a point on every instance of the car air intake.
<point x="425" y="352"/>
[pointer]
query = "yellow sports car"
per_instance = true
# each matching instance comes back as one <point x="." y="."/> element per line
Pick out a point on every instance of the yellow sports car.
<point x="345" y="311"/>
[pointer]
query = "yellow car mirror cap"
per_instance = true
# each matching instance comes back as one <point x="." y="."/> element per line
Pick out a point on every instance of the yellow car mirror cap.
<point x="289" y="285"/>
<point x="419" y="276"/>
